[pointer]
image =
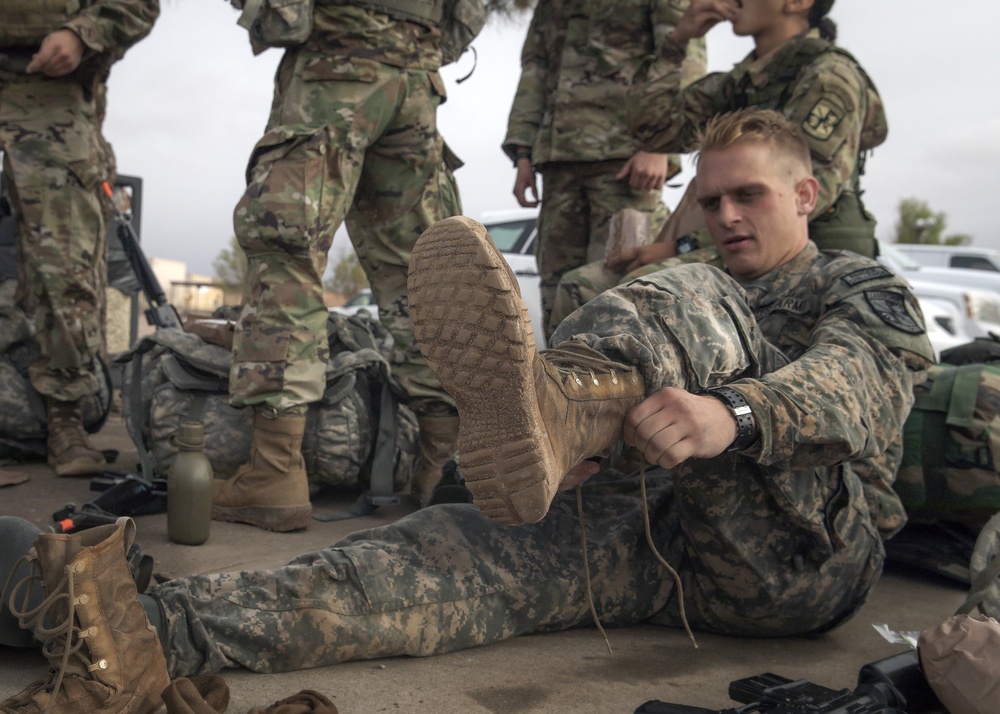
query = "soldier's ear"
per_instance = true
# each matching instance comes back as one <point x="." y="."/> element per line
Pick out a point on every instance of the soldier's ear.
<point x="797" y="7"/>
<point x="806" y="195"/>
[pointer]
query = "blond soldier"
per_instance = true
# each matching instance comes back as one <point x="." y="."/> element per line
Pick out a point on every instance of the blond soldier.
<point x="774" y="392"/>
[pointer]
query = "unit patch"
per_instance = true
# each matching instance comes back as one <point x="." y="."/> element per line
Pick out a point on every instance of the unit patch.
<point x="891" y="309"/>
<point x="865" y="274"/>
<point x="823" y="119"/>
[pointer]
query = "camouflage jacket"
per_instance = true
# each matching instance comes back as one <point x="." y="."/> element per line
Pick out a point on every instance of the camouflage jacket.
<point x="577" y="63"/>
<point x="107" y="28"/>
<point x="816" y="85"/>
<point x="854" y="337"/>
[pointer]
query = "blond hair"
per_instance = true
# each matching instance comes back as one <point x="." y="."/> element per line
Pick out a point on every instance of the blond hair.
<point x="755" y="125"/>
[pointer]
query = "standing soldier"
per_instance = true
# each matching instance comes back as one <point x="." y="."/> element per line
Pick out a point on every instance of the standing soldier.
<point x="568" y="122"/>
<point x="54" y="58"/>
<point x="796" y="69"/>
<point x="352" y="135"/>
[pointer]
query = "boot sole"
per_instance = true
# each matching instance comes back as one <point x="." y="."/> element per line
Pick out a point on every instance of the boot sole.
<point x="474" y="329"/>
<point x="281" y="519"/>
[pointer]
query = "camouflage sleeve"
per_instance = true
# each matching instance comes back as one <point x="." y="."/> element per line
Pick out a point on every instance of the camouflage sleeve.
<point x="529" y="101"/>
<point x="829" y="103"/>
<point x="847" y="397"/>
<point x="665" y="112"/>
<point x="112" y="26"/>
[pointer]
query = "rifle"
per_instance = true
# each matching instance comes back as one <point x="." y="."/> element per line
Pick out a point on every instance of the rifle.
<point x="122" y="495"/>
<point x="894" y="685"/>
<point x="160" y="313"/>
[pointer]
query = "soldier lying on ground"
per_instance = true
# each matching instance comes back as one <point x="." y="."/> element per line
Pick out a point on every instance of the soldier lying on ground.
<point x="774" y="518"/>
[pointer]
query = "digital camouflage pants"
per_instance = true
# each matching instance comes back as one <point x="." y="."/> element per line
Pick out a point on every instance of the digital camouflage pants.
<point x="350" y="141"/>
<point x="578" y="200"/>
<point x="761" y="552"/>
<point x="50" y="137"/>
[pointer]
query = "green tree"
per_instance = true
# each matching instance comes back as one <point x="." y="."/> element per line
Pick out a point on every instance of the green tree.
<point x="230" y="264"/>
<point x="917" y="223"/>
<point x="346" y="275"/>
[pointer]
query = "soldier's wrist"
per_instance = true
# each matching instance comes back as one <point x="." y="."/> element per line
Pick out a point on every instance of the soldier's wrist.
<point x="747" y="431"/>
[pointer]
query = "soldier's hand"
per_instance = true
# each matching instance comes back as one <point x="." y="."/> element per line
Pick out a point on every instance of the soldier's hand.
<point x="525" y="182"/>
<point x="701" y="16"/>
<point x="673" y="425"/>
<point x="635" y="258"/>
<point x="645" y="171"/>
<point x="59" y="54"/>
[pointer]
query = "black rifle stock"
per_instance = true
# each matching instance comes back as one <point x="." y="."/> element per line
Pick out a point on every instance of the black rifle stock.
<point x="160" y="313"/>
<point x="894" y="685"/>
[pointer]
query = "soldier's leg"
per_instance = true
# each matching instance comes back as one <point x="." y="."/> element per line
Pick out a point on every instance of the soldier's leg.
<point x="603" y="196"/>
<point x="55" y="176"/>
<point x="442" y="579"/>
<point x="302" y="178"/>
<point x="406" y="186"/>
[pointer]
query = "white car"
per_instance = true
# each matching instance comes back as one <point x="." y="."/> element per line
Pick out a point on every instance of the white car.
<point x="362" y="302"/>
<point x="900" y="261"/>
<point x="952" y="256"/>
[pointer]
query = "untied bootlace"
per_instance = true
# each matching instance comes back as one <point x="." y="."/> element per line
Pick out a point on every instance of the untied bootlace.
<point x="65" y="633"/>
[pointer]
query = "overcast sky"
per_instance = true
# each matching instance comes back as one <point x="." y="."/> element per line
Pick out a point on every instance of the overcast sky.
<point x="187" y="104"/>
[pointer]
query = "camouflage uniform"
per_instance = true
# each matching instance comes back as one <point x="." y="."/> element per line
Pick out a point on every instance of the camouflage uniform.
<point x="819" y="87"/>
<point x="782" y="539"/>
<point x="352" y="135"/>
<point x="54" y="162"/>
<point x="577" y="62"/>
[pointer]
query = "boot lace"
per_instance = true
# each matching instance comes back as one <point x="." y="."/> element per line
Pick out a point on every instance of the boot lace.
<point x="64" y="639"/>
<point x="576" y="358"/>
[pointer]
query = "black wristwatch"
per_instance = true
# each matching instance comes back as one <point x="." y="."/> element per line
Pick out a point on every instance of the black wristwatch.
<point x="747" y="426"/>
<point x="686" y="243"/>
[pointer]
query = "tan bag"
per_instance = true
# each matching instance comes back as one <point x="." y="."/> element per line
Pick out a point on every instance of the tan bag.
<point x="961" y="660"/>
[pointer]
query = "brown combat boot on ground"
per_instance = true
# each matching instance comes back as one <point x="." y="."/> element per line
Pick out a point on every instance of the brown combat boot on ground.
<point x="526" y="418"/>
<point x="105" y="657"/>
<point x="271" y="491"/>
<point x="438" y="439"/>
<point x="69" y="452"/>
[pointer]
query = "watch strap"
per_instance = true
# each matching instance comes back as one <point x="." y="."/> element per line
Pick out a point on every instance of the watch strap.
<point x="746" y="424"/>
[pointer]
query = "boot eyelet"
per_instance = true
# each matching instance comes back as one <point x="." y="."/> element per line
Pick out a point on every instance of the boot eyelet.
<point x="89" y="632"/>
<point x="82" y="600"/>
<point x="79" y="566"/>
<point x="596" y="383"/>
<point x="103" y="664"/>
<point x="577" y="380"/>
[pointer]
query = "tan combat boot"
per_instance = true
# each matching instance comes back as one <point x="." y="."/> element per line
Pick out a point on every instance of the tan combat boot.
<point x="438" y="439"/>
<point x="271" y="491"/>
<point x="526" y="418"/>
<point x="69" y="452"/>
<point x="105" y="657"/>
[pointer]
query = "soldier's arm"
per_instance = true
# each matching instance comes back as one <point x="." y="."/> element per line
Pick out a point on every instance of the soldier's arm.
<point x="114" y="25"/>
<point x="530" y="99"/>
<point x="829" y="103"/>
<point x="849" y="394"/>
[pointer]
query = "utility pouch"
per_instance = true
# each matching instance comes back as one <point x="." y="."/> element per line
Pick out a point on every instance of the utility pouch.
<point x="277" y="23"/>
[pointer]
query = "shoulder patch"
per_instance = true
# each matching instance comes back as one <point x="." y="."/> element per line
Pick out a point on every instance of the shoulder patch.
<point x="891" y="309"/>
<point x="823" y="119"/>
<point x="863" y="275"/>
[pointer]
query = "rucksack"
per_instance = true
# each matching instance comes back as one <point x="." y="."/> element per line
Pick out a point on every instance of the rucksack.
<point x="357" y="434"/>
<point x="951" y="446"/>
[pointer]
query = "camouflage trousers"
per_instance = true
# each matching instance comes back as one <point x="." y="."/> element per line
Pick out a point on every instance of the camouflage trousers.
<point x="354" y="141"/>
<point x="578" y="200"/>
<point x="50" y="137"/>
<point x="760" y="551"/>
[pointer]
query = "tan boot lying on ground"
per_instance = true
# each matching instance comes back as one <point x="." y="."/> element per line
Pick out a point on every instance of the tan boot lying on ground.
<point x="525" y="418"/>
<point x="105" y="657"/>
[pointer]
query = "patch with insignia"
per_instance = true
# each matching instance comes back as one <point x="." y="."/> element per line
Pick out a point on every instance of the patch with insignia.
<point x="865" y="274"/>
<point x="823" y="119"/>
<point x="891" y="309"/>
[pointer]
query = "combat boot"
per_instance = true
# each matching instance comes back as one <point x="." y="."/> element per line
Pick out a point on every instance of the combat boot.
<point x="526" y="418"/>
<point x="271" y="491"/>
<point x="105" y="657"/>
<point x="69" y="452"/>
<point x="438" y="439"/>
